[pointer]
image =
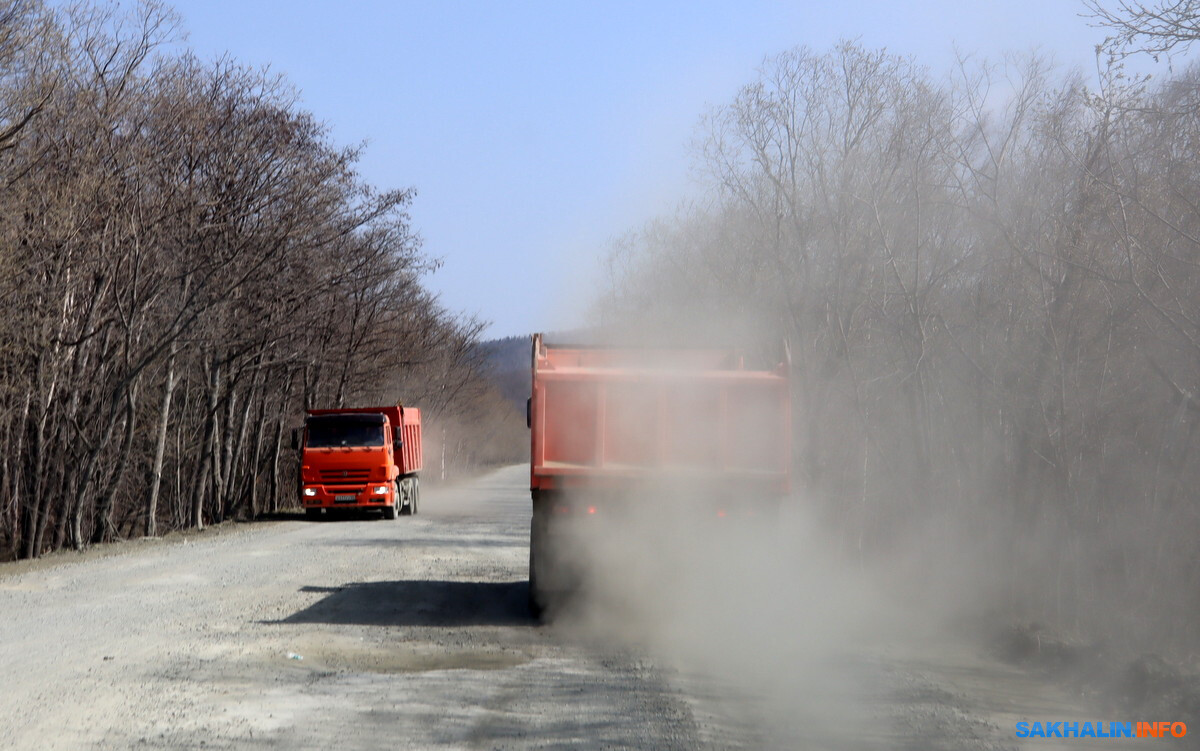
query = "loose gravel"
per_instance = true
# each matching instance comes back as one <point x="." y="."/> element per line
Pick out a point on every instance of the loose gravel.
<point x="414" y="634"/>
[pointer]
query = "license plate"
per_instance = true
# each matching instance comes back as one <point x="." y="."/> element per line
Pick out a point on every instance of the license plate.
<point x="345" y="498"/>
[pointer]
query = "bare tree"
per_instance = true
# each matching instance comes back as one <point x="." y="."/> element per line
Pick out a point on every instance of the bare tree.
<point x="1159" y="28"/>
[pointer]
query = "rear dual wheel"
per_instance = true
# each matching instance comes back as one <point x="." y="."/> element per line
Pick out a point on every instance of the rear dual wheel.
<point x="408" y="494"/>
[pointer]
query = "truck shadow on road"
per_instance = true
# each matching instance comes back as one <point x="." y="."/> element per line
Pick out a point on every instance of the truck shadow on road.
<point x="446" y="541"/>
<point x="420" y="603"/>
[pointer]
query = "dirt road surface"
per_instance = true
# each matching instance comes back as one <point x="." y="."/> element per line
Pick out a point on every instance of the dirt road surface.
<point x="413" y="634"/>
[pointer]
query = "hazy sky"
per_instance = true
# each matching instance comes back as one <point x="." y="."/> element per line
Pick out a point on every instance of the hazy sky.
<point x="536" y="132"/>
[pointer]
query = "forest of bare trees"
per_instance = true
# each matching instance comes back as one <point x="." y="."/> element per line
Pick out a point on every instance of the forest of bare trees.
<point x="990" y="282"/>
<point x="186" y="262"/>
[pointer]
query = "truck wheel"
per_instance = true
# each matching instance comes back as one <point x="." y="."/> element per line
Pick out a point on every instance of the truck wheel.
<point x="416" y="494"/>
<point x="389" y="512"/>
<point x="312" y="514"/>
<point x="537" y="598"/>
<point x="405" y="508"/>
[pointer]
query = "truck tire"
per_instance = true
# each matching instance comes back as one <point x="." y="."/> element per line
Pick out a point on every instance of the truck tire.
<point x="312" y="514"/>
<point x="416" y="494"/>
<point x="406" y="495"/>
<point x="389" y="512"/>
<point x="537" y="604"/>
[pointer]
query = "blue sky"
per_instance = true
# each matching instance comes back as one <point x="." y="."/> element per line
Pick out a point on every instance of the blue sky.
<point x="535" y="132"/>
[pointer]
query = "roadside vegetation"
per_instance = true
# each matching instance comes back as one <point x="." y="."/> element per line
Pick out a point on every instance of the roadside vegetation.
<point x="187" y="261"/>
<point x="990" y="283"/>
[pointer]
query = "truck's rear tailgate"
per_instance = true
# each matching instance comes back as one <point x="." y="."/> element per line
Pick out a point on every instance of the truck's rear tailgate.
<point x="597" y="423"/>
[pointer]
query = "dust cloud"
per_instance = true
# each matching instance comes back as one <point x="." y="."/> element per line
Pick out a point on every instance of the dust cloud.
<point x="799" y="606"/>
<point x="764" y="607"/>
<point x="743" y="586"/>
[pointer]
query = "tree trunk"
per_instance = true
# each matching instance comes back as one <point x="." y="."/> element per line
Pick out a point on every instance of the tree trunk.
<point x="223" y="454"/>
<point x="235" y="450"/>
<point x="277" y="444"/>
<point x="260" y="430"/>
<point x="200" y="483"/>
<point x="103" y="526"/>
<point x="160" y="444"/>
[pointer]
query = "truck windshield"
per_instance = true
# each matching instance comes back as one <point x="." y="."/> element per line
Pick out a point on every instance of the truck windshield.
<point x="327" y="431"/>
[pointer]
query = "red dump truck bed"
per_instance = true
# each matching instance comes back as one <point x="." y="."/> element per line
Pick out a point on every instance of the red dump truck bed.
<point x="600" y="417"/>
<point x="410" y="458"/>
<point x="612" y="428"/>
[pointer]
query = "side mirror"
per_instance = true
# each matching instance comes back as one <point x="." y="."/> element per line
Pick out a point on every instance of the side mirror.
<point x="529" y="412"/>
<point x="397" y="445"/>
<point x="295" y="439"/>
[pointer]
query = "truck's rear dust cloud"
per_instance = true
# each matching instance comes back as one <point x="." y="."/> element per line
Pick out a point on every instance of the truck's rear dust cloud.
<point x="762" y="605"/>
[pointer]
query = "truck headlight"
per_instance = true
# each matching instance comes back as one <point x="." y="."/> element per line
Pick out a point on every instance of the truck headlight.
<point x="310" y="492"/>
<point x="380" y="490"/>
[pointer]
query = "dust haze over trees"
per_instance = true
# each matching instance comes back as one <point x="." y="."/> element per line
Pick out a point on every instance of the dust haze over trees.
<point x="186" y="262"/>
<point x="990" y="282"/>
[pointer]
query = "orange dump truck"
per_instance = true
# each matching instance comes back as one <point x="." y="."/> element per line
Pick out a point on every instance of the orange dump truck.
<point x="361" y="458"/>
<point x="610" y="427"/>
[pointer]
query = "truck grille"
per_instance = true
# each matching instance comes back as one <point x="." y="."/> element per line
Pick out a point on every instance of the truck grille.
<point x="345" y="475"/>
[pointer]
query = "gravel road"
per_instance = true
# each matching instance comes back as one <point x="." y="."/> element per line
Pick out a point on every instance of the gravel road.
<point x="413" y="634"/>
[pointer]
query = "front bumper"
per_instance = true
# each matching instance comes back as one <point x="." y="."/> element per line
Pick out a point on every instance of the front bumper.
<point x="345" y="497"/>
